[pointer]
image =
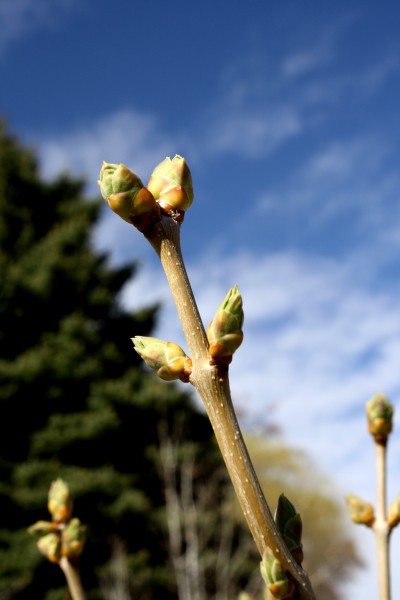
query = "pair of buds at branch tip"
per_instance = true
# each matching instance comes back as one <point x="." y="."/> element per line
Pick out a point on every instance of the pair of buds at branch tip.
<point x="379" y="412"/>
<point x="63" y="535"/>
<point x="362" y="512"/>
<point x="290" y="527"/>
<point x="169" y="191"/>
<point x="224" y="336"/>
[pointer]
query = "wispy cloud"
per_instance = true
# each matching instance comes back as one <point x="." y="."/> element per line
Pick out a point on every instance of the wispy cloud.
<point x="352" y="178"/>
<point x="317" y="346"/>
<point x="132" y="138"/>
<point x="19" y="17"/>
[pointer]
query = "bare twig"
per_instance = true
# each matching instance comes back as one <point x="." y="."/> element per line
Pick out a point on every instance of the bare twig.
<point x="73" y="579"/>
<point x="381" y="527"/>
<point x="212" y="385"/>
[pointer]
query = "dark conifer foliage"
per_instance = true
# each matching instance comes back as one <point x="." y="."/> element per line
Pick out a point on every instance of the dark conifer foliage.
<point x="75" y="401"/>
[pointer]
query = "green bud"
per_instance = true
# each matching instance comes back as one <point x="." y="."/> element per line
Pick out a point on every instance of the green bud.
<point x="289" y="523"/>
<point x="60" y="501"/>
<point x="275" y="577"/>
<point x="379" y="411"/>
<point x="225" y="330"/>
<point x="50" y="546"/>
<point x="394" y="513"/>
<point x="43" y="527"/>
<point x="171" y="184"/>
<point x="360" y="512"/>
<point x="73" y="539"/>
<point x="166" y="358"/>
<point x="126" y="195"/>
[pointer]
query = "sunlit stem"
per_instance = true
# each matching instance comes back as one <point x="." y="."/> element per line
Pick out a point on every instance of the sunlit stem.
<point x="73" y="579"/>
<point x="212" y="385"/>
<point x="381" y="527"/>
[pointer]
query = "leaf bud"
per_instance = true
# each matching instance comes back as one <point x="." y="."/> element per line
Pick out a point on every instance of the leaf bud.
<point x="225" y="330"/>
<point x="73" y="539"/>
<point x="360" y="512"/>
<point x="275" y="577"/>
<point x="43" y="527"/>
<point x="60" y="501"/>
<point x="171" y="185"/>
<point x="290" y="525"/>
<point x="394" y="513"/>
<point x="50" y="546"/>
<point x="127" y="196"/>
<point x="379" y="411"/>
<point x="166" y="358"/>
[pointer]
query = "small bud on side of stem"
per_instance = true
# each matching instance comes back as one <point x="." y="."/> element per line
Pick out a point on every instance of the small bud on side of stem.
<point x="166" y="358"/>
<point x="50" y="546"/>
<point x="394" y="513"/>
<point x="73" y="538"/>
<point x="360" y="512"/>
<point x="275" y="578"/>
<point x="379" y="411"/>
<point x="225" y="333"/>
<point x="290" y="526"/>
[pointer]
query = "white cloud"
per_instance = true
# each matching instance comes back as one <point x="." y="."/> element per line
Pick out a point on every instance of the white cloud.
<point x="253" y="132"/>
<point x="317" y="345"/>
<point x="125" y="136"/>
<point x="352" y="178"/>
<point x="18" y="17"/>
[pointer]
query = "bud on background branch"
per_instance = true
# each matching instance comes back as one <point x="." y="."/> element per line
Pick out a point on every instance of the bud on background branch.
<point x="360" y="512"/>
<point x="69" y="533"/>
<point x="379" y="411"/>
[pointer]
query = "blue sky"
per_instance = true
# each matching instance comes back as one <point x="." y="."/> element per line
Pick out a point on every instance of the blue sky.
<point x="288" y="116"/>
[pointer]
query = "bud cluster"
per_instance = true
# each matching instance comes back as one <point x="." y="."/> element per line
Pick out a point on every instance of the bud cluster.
<point x="169" y="190"/>
<point x="166" y="358"/>
<point x="62" y="536"/>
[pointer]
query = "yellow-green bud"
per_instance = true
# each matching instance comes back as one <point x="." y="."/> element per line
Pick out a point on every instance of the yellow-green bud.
<point x="275" y="577"/>
<point x="166" y="358"/>
<point x="126" y="194"/>
<point x="360" y="512"/>
<point x="289" y="523"/>
<point x="50" y="546"/>
<point x="394" y="513"/>
<point x="43" y="527"/>
<point x="225" y="330"/>
<point x="379" y="411"/>
<point x="60" y="501"/>
<point x="171" y="185"/>
<point x="73" y="539"/>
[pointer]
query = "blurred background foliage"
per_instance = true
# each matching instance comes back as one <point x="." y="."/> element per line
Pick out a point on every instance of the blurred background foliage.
<point x="138" y="454"/>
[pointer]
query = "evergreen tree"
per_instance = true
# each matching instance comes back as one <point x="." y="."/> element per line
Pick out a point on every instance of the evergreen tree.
<point x="76" y="403"/>
<point x="74" y="400"/>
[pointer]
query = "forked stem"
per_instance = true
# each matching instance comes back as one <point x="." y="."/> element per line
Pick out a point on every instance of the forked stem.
<point x="212" y="385"/>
